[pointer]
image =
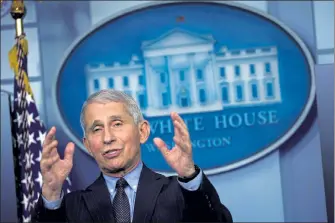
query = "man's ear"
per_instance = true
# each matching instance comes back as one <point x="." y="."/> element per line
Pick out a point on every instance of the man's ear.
<point x="144" y="129"/>
<point x="87" y="145"/>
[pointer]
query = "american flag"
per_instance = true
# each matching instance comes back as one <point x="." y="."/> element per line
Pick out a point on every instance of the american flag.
<point x="28" y="134"/>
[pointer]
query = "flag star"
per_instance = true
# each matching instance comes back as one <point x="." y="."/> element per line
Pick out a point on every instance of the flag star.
<point x="18" y="119"/>
<point x="25" y="201"/>
<point x="30" y="177"/>
<point x="31" y="158"/>
<point x="38" y="159"/>
<point x="27" y="159"/>
<point x="41" y="137"/>
<point x="25" y="180"/>
<point x="34" y="202"/>
<point x="32" y="185"/>
<point x="31" y="139"/>
<point x="37" y="118"/>
<point x="37" y="197"/>
<point x="30" y="118"/>
<point x="29" y="98"/>
<point x="19" y="139"/>
<point x="28" y="219"/>
<point x="18" y="98"/>
<point x="32" y="205"/>
<point x="39" y="179"/>
<point x="30" y="182"/>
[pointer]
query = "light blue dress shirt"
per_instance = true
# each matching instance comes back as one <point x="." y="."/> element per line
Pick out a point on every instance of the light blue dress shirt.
<point x="132" y="179"/>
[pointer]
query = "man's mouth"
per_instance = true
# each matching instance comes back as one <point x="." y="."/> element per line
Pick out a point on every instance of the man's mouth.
<point x="111" y="153"/>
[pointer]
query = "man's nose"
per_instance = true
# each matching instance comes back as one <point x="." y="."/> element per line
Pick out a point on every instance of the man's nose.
<point x="108" y="137"/>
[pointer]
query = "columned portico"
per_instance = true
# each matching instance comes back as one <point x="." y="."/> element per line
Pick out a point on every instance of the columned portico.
<point x="184" y="73"/>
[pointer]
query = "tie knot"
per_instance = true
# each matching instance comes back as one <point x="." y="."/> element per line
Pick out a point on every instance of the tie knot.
<point x="121" y="183"/>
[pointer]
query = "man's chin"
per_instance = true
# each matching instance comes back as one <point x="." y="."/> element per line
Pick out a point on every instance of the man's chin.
<point x="115" y="169"/>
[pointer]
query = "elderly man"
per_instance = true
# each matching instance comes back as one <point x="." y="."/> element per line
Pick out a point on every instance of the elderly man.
<point x="127" y="190"/>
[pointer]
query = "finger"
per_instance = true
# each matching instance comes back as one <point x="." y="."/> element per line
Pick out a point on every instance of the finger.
<point x="47" y="163"/>
<point x="50" y="136"/>
<point x="161" y="145"/>
<point x="177" y="132"/>
<point x="69" y="151"/>
<point x="46" y="152"/>
<point x="183" y="132"/>
<point x="54" y="153"/>
<point x="52" y="160"/>
<point x="176" y="117"/>
<point x="184" y="145"/>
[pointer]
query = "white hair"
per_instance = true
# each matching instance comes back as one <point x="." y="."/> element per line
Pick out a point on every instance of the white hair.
<point x="111" y="95"/>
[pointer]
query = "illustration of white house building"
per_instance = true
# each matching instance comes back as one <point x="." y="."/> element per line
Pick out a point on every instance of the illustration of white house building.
<point x="180" y="71"/>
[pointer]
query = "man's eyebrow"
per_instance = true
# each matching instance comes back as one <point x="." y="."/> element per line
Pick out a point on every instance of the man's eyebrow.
<point x="98" y="122"/>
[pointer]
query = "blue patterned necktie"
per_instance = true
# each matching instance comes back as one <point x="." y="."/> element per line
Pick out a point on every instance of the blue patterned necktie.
<point x="121" y="203"/>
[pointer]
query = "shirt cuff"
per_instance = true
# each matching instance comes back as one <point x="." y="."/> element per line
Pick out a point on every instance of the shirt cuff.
<point x="193" y="184"/>
<point x="53" y="205"/>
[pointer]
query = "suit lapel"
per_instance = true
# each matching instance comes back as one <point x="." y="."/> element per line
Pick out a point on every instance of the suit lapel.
<point x="149" y="186"/>
<point x="98" y="201"/>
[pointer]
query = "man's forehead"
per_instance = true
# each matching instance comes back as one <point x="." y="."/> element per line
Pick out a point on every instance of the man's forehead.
<point x="106" y="104"/>
<point x="111" y="109"/>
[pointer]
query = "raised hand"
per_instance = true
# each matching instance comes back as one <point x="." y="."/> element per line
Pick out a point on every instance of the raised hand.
<point x="54" y="169"/>
<point x="180" y="156"/>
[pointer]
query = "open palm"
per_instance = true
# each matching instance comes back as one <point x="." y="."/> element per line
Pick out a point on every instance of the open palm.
<point x="54" y="169"/>
<point x="180" y="156"/>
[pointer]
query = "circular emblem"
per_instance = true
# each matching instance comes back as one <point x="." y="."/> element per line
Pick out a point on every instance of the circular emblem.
<point x="242" y="81"/>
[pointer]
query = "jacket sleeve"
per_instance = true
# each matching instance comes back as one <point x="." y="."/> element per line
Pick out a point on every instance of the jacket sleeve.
<point x="42" y="214"/>
<point x="204" y="205"/>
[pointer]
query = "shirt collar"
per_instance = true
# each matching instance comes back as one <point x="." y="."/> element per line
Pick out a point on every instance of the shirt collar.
<point x="132" y="178"/>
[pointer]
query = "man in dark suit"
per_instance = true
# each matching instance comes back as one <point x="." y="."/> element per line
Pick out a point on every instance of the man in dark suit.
<point x="127" y="190"/>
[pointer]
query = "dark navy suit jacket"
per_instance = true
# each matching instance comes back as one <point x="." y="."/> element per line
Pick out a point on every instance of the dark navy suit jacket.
<point x="158" y="199"/>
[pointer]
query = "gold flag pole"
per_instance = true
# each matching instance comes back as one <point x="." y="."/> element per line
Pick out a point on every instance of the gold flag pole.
<point x="18" y="11"/>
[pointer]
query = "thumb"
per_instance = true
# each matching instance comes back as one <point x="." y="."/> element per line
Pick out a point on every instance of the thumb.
<point x="161" y="145"/>
<point x="69" y="151"/>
